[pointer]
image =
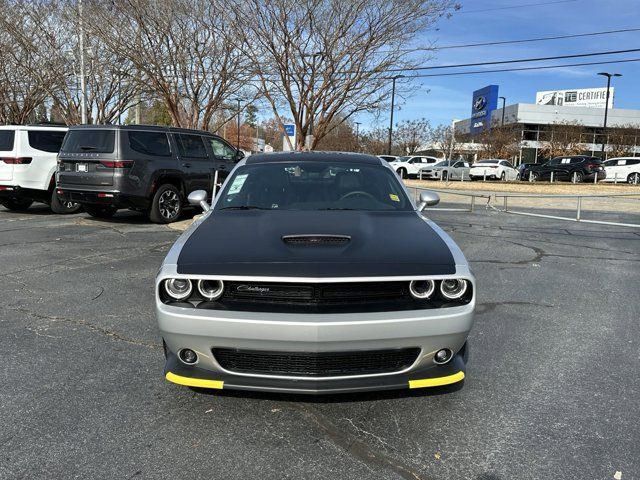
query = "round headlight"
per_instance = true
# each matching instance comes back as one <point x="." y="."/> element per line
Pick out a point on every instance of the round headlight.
<point x="210" y="289"/>
<point x="422" y="289"/>
<point x="178" y="288"/>
<point x="453" y="288"/>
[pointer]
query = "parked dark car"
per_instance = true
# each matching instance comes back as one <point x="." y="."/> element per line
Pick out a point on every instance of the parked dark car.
<point x="147" y="168"/>
<point x="578" y="168"/>
<point x="524" y="166"/>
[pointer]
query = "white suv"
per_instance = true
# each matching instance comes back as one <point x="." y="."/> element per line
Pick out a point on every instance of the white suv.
<point x="410" y="166"/>
<point x="28" y="160"/>
<point x="624" y="169"/>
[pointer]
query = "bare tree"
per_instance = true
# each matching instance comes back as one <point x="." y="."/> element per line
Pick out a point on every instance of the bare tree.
<point x="562" y="138"/>
<point x="185" y="51"/>
<point x="623" y="140"/>
<point x="375" y="141"/>
<point x="410" y="135"/>
<point x="443" y="138"/>
<point x="500" y="141"/>
<point x="329" y="59"/>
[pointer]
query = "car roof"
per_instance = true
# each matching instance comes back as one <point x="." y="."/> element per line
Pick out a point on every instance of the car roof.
<point x="34" y="127"/>
<point x="152" y="128"/>
<point x="313" y="157"/>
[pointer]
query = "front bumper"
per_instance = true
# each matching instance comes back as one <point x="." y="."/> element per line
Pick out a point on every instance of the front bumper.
<point x="202" y="330"/>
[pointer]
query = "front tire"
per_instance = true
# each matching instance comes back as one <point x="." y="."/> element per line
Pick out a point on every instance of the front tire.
<point x="166" y="206"/>
<point x="634" y="178"/>
<point x="534" y="177"/>
<point x="578" y="177"/>
<point x="445" y="176"/>
<point x="503" y="176"/>
<point x="63" y="207"/>
<point x="17" y="204"/>
<point x="100" y="211"/>
<point x="402" y="173"/>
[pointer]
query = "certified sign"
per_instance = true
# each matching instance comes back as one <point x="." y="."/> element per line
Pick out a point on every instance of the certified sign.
<point x="582" y="97"/>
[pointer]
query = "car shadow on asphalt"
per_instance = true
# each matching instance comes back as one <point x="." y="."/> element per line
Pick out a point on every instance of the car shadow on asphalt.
<point x="131" y="217"/>
<point x="335" y="397"/>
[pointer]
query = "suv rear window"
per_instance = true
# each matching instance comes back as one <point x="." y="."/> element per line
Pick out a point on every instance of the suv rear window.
<point x="45" y="140"/>
<point x="191" y="146"/>
<point x="89" y="141"/>
<point x="6" y="140"/>
<point x="150" y="143"/>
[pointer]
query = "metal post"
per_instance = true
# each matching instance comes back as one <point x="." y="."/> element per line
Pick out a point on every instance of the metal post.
<point x="551" y="177"/>
<point x="484" y="176"/>
<point x="473" y="201"/>
<point x="393" y="98"/>
<point x="530" y="176"/>
<point x="505" y="203"/>
<point x="579" y="208"/>
<point x="606" y="109"/>
<point x="83" y="79"/>
<point x="615" y="178"/>
<point x="238" y="142"/>
<point x="595" y="178"/>
<point x="215" y="186"/>
<point x="574" y="180"/>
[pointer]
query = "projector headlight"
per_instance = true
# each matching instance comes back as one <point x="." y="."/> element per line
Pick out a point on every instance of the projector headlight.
<point x="178" y="288"/>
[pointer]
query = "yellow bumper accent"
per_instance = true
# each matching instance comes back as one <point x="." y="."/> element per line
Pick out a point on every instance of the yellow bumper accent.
<point x="437" y="382"/>
<point x="194" y="382"/>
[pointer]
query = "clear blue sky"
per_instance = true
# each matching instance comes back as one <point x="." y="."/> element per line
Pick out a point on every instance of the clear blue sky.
<point x="441" y="99"/>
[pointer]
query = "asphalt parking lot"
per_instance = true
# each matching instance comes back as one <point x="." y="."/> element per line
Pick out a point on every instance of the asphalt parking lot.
<point x="552" y="387"/>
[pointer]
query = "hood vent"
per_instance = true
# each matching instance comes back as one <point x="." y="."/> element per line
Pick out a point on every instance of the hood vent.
<point x="316" y="239"/>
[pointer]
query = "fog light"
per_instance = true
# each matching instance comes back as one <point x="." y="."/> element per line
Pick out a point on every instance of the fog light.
<point x="178" y="288"/>
<point x="210" y="289"/>
<point x="442" y="356"/>
<point x="188" y="356"/>
<point x="422" y="289"/>
<point x="453" y="288"/>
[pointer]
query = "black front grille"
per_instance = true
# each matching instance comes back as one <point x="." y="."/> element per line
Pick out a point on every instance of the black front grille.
<point x="321" y="364"/>
<point x="315" y="294"/>
<point x="308" y="240"/>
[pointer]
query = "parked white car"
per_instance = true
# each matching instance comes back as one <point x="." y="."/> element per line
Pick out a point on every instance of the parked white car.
<point x="28" y="160"/>
<point x="623" y="169"/>
<point x="493" y="169"/>
<point x="409" y="166"/>
<point x="446" y="170"/>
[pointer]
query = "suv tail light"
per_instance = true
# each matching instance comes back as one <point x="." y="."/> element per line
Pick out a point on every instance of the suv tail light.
<point x="593" y="166"/>
<point x="16" y="160"/>
<point x="117" y="163"/>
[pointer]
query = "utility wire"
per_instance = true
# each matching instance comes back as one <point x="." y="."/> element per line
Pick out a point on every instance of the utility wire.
<point x="538" y="4"/>
<point x="520" y="60"/>
<point x="474" y="72"/>
<point x="539" y="39"/>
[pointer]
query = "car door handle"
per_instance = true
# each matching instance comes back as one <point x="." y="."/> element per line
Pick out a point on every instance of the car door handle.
<point x="186" y="165"/>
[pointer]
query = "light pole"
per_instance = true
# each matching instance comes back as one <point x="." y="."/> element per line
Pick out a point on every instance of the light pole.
<point x="504" y="101"/>
<point x="358" y="134"/>
<point x="606" y="108"/>
<point x="238" y="139"/>
<point x="393" y="98"/>
<point x="83" y="80"/>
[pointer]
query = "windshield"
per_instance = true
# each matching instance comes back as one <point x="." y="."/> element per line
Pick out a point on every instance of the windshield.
<point x="89" y="141"/>
<point x="313" y="186"/>
<point x="402" y="159"/>
<point x="444" y="163"/>
<point x="488" y="161"/>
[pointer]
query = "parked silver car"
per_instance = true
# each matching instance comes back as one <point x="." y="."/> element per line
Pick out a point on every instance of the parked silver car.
<point x="314" y="273"/>
<point x="446" y="170"/>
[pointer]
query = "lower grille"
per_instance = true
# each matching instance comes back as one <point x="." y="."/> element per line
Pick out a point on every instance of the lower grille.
<point x="321" y="364"/>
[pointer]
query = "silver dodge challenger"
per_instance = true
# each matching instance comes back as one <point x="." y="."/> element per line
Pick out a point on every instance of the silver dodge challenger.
<point x="314" y="273"/>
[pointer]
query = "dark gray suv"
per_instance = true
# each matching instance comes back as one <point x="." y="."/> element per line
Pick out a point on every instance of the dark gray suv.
<point x="146" y="168"/>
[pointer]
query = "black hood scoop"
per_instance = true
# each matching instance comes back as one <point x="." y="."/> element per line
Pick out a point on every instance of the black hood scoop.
<point x="307" y="240"/>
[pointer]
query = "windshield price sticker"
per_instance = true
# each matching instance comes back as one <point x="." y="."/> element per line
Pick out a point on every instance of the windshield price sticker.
<point x="236" y="186"/>
<point x="394" y="197"/>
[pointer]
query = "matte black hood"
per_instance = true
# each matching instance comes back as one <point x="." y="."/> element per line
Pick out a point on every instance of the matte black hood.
<point x="248" y="243"/>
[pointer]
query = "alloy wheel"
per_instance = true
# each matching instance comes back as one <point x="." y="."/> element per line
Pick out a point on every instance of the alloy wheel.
<point x="169" y="204"/>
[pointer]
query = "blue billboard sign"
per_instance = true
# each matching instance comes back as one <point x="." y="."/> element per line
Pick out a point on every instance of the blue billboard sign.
<point x="484" y="102"/>
<point x="290" y="129"/>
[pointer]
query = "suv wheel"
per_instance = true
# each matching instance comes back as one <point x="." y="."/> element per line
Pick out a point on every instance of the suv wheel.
<point x="100" y="211"/>
<point x="61" y="206"/>
<point x="634" y="178"/>
<point x="167" y="205"/>
<point x="535" y="176"/>
<point x="577" y="177"/>
<point x="402" y="172"/>
<point x="445" y="175"/>
<point x="17" y="204"/>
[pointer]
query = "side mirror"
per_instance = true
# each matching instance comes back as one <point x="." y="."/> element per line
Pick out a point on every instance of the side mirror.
<point x="198" y="198"/>
<point x="428" y="199"/>
<point x="239" y="155"/>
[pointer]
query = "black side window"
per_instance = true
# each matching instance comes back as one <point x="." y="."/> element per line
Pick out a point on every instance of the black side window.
<point x="610" y="163"/>
<point x="150" y="143"/>
<point x="46" y="141"/>
<point x="633" y="162"/>
<point x="6" y="140"/>
<point x="191" y="146"/>
<point x="222" y="150"/>
<point x="577" y="160"/>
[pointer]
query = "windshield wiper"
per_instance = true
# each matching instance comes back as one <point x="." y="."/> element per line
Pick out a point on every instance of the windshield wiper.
<point x="87" y="147"/>
<point x="245" y="207"/>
